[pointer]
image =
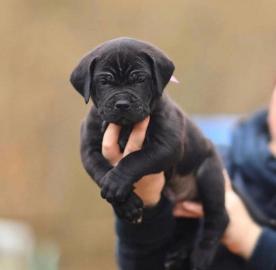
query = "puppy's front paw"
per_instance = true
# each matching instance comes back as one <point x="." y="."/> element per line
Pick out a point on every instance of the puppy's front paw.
<point x="115" y="187"/>
<point x="131" y="210"/>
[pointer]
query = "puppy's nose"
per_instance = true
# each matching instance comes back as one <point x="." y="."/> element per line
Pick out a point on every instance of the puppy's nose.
<point x="122" y="105"/>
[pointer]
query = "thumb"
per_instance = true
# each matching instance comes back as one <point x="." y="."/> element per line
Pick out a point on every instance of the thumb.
<point x="137" y="136"/>
<point x="110" y="146"/>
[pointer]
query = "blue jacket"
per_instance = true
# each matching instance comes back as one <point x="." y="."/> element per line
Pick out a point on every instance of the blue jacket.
<point x="252" y="168"/>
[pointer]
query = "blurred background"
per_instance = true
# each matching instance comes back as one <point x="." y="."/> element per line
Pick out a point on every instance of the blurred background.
<point x="224" y="52"/>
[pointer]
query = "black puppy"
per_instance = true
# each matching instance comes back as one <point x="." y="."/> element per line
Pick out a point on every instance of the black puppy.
<point x="126" y="78"/>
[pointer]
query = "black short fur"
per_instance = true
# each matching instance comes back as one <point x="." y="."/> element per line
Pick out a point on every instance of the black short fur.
<point x="126" y="78"/>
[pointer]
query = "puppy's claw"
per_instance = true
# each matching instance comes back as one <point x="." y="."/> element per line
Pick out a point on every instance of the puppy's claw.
<point x="140" y="219"/>
<point x="131" y="210"/>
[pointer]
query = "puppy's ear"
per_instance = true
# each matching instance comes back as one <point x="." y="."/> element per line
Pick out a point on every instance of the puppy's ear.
<point x="82" y="75"/>
<point x="162" y="68"/>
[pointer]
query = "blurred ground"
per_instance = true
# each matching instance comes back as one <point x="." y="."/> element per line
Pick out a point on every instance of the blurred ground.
<point x="224" y="52"/>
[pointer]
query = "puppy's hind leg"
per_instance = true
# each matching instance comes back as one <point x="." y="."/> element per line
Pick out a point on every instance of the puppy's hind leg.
<point x="210" y="183"/>
<point x="178" y="255"/>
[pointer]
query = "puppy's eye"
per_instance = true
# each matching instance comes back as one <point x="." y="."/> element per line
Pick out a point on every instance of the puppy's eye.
<point x="140" y="79"/>
<point x="137" y="78"/>
<point x="107" y="79"/>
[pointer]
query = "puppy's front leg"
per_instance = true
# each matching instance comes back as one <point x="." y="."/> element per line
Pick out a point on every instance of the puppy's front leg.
<point x="100" y="169"/>
<point x="91" y="147"/>
<point x="118" y="183"/>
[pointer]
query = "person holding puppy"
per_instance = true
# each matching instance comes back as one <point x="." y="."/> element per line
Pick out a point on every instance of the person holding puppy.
<point x="125" y="78"/>
<point x="251" y="161"/>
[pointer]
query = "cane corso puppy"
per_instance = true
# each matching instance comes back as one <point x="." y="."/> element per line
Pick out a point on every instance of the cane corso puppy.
<point x="125" y="79"/>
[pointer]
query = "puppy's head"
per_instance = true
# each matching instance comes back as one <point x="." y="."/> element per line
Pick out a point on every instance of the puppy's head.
<point x="124" y="77"/>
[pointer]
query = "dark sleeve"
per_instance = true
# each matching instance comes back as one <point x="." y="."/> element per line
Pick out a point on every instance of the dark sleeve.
<point x="264" y="255"/>
<point x="149" y="230"/>
<point x="144" y="245"/>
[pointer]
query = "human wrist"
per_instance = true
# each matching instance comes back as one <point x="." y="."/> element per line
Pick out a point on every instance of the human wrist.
<point x="250" y="240"/>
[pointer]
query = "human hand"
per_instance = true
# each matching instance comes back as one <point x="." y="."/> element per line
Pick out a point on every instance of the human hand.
<point x="241" y="233"/>
<point x="272" y="122"/>
<point x="149" y="187"/>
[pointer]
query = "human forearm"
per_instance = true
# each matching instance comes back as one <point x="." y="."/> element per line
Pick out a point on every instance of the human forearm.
<point x="245" y="244"/>
<point x="242" y="233"/>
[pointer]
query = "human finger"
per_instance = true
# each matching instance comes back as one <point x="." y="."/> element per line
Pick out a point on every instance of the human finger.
<point x="110" y="146"/>
<point x="188" y="209"/>
<point x="182" y="213"/>
<point x="137" y="137"/>
<point x="193" y="207"/>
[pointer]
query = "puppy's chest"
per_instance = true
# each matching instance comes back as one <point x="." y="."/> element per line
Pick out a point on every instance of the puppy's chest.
<point x="124" y="135"/>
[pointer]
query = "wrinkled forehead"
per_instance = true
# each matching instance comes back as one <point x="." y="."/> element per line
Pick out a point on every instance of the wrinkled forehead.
<point x="122" y="59"/>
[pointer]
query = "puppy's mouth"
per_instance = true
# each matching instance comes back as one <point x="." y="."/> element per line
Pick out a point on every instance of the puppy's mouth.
<point x="125" y="118"/>
<point x="123" y="121"/>
<point x="124" y="110"/>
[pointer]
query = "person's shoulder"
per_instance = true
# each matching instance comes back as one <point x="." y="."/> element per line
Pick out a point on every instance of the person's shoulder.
<point x="255" y="118"/>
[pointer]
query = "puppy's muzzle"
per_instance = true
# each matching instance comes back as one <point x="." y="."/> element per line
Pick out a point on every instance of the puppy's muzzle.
<point x="124" y="108"/>
<point x="122" y="105"/>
